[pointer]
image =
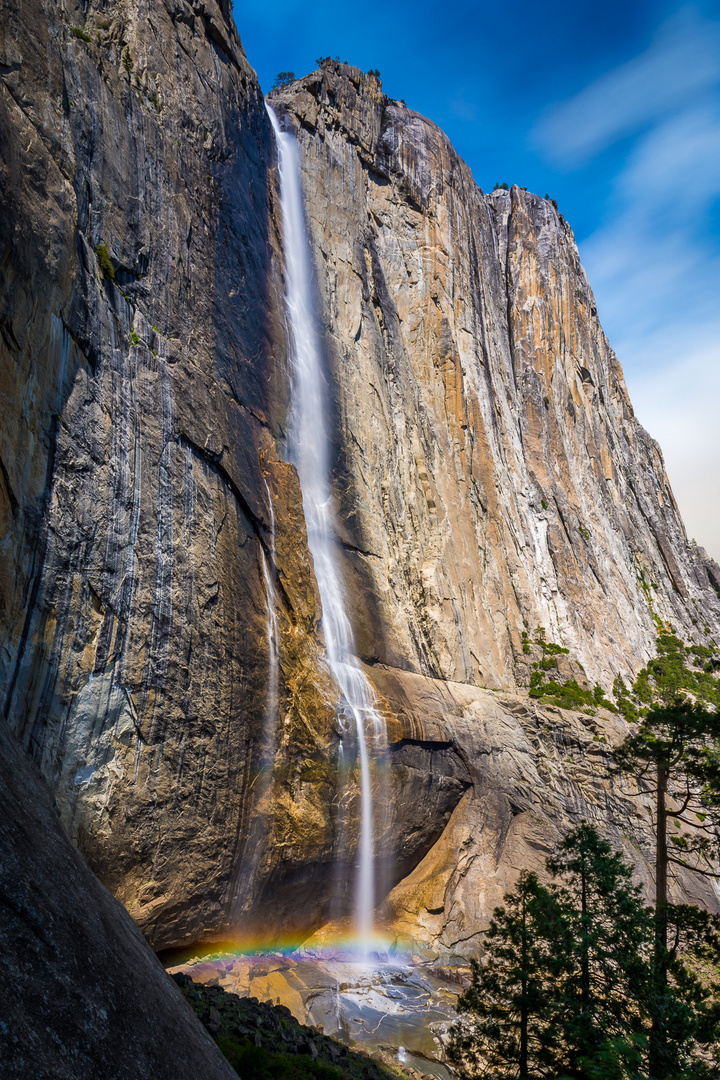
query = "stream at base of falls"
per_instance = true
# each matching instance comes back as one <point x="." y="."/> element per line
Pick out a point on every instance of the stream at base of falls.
<point x="401" y="1007"/>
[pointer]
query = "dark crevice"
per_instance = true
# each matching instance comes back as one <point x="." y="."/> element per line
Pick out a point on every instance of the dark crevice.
<point x="424" y="744"/>
<point x="346" y="546"/>
<point x="36" y="572"/>
<point x="232" y="393"/>
<point x="259" y="527"/>
<point x="214" y="461"/>
<point x="14" y="505"/>
<point x="82" y="347"/>
<point x="6" y="332"/>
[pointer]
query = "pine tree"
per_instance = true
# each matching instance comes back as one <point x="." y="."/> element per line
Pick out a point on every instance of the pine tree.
<point x="563" y="988"/>
<point x="606" y="988"/>
<point x="569" y="986"/>
<point x="513" y="1030"/>
<point x="674" y="754"/>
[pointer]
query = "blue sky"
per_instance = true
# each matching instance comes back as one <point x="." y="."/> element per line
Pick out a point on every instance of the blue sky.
<point x="614" y="110"/>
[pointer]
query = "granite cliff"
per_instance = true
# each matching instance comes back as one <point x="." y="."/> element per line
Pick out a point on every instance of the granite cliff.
<point x="489" y="473"/>
<point x="492" y="474"/>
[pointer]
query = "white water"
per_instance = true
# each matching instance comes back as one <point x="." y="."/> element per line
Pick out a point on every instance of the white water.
<point x="308" y="443"/>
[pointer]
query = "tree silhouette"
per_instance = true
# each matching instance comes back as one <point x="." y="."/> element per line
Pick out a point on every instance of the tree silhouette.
<point x="564" y="982"/>
<point x="674" y="754"/>
<point x="568" y="988"/>
<point x="513" y="1030"/>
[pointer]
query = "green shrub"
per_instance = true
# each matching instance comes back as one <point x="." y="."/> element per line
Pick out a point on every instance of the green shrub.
<point x="78" y="32"/>
<point x="105" y="262"/>
<point x="676" y="671"/>
<point x="255" y="1063"/>
<point x="567" y="695"/>
<point x="551" y="649"/>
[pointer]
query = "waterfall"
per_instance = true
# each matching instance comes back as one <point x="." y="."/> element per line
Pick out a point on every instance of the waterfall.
<point x="308" y="447"/>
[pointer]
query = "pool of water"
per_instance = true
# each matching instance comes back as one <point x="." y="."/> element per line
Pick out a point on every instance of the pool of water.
<point x="400" y="1007"/>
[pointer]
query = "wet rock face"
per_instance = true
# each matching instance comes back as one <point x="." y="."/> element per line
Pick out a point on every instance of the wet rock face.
<point x="490" y="470"/>
<point x="141" y="394"/>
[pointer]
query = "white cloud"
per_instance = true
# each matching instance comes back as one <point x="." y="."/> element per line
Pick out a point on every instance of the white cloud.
<point x="680" y="65"/>
<point x="644" y="281"/>
<point x="679" y="407"/>
<point x="654" y="265"/>
<point x="677" y="165"/>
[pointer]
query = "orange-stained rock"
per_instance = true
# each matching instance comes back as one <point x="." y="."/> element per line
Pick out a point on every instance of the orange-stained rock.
<point x="491" y="473"/>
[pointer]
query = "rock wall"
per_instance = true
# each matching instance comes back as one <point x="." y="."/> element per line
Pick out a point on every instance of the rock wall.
<point x="142" y="403"/>
<point x="82" y="994"/>
<point x="491" y="473"/>
<point x="138" y="454"/>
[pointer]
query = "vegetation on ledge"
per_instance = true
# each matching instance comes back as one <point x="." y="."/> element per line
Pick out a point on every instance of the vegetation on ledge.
<point x="678" y="672"/>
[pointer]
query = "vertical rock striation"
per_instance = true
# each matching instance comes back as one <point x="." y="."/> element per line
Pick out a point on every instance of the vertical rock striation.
<point x="491" y="471"/>
<point x="140" y="388"/>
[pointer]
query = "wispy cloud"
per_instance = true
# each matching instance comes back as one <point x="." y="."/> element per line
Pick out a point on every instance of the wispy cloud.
<point x="655" y="263"/>
<point x="464" y="109"/>
<point x="681" y="402"/>
<point x="682" y="64"/>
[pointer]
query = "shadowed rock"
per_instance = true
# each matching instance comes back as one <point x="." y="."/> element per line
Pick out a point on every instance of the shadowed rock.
<point x="82" y="995"/>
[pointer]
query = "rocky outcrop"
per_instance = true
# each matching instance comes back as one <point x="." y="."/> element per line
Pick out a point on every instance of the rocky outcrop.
<point x="82" y="994"/>
<point x="534" y="773"/>
<point x="491" y="473"/>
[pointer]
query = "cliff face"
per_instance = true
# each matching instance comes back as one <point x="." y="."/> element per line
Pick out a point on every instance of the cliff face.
<point x="491" y="473"/>
<point x="137" y="445"/>
<point x="137" y="442"/>
<point x="488" y="470"/>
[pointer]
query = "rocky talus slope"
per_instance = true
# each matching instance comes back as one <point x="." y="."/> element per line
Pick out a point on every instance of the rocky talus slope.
<point x="490" y="478"/>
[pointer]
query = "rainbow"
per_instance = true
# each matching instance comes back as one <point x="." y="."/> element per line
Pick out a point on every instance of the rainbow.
<point x="320" y="946"/>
